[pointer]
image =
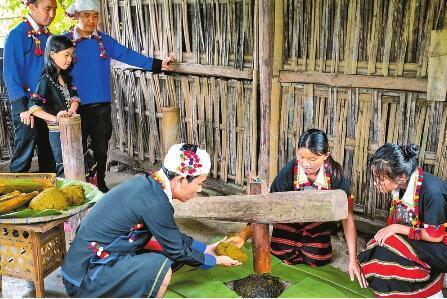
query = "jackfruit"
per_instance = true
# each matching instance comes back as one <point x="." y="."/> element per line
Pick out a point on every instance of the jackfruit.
<point x="228" y="249"/>
<point x="51" y="198"/>
<point x="75" y="194"/>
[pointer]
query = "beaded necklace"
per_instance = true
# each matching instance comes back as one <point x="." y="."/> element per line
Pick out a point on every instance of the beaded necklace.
<point x="157" y="177"/>
<point x="102" y="49"/>
<point x="413" y="213"/>
<point x="301" y="186"/>
<point x="33" y="34"/>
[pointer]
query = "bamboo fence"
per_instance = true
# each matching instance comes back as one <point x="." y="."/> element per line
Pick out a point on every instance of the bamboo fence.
<point x="354" y="68"/>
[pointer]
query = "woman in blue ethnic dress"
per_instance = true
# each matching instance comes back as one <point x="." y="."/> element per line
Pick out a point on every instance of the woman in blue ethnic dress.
<point x="310" y="242"/>
<point x="407" y="257"/>
<point x="107" y="257"/>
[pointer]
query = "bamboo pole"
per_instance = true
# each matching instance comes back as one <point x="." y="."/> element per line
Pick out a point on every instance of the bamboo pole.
<point x="278" y="56"/>
<point x="266" y="33"/>
<point x="170" y="127"/>
<point x="254" y="90"/>
<point x="71" y="143"/>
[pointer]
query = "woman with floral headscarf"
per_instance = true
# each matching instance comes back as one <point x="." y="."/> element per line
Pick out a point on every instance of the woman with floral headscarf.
<point x="108" y="257"/>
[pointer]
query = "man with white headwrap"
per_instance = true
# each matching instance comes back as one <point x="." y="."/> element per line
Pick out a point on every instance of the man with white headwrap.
<point x="91" y="74"/>
<point x="107" y="257"/>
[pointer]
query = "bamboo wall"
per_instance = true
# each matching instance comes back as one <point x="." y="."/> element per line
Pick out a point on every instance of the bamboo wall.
<point x="331" y="65"/>
<point x="214" y="114"/>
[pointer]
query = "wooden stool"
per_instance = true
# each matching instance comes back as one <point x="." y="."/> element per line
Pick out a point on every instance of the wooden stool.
<point x="32" y="251"/>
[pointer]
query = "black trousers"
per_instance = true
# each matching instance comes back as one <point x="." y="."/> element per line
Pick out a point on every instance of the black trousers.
<point x="25" y="140"/>
<point x="96" y="124"/>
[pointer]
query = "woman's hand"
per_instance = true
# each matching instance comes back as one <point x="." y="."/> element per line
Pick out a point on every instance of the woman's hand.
<point x="355" y="271"/>
<point x="211" y="248"/>
<point x="71" y="112"/>
<point x="386" y="232"/>
<point x="237" y="241"/>
<point x="165" y="63"/>
<point x="27" y="119"/>
<point x="226" y="261"/>
<point x="63" y="113"/>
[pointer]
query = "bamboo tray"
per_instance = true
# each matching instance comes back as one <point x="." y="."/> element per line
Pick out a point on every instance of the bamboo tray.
<point x="26" y="216"/>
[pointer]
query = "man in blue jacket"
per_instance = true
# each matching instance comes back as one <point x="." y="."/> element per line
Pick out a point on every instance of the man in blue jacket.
<point x="22" y="68"/>
<point x="91" y="74"/>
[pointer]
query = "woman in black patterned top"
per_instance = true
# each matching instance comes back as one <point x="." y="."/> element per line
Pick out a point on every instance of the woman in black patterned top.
<point x="56" y="96"/>
<point x="310" y="242"/>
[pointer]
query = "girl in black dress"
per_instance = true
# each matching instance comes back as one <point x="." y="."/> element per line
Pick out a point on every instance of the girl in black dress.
<point x="56" y="96"/>
<point x="408" y="256"/>
<point x="310" y="243"/>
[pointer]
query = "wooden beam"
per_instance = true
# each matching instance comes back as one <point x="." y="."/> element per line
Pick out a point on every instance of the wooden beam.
<point x="360" y="81"/>
<point x="266" y="36"/>
<point x="437" y="66"/>
<point x="281" y="207"/>
<point x="200" y="69"/>
<point x="146" y="2"/>
<point x="278" y="62"/>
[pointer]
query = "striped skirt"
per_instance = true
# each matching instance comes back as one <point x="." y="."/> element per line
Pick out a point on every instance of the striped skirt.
<point x="302" y="243"/>
<point x="404" y="268"/>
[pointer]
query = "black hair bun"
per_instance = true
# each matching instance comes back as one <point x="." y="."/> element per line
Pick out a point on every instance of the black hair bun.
<point x="410" y="151"/>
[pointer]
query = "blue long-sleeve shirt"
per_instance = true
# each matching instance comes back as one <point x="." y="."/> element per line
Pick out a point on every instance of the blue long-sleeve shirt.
<point x="139" y="200"/>
<point x="21" y="67"/>
<point x="91" y="73"/>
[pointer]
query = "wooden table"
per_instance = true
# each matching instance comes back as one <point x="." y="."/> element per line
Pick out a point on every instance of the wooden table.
<point x="32" y="251"/>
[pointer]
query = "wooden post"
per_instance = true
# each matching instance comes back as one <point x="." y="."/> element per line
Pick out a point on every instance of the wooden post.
<point x="38" y="266"/>
<point x="278" y="57"/>
<point x="170" y="127"/>
<point x="266" y="34"/>
<point x="260" y="232"/>
<point x="254" y="91"/>
<point x="437" y="63"/>
<point x="71" y="143"/>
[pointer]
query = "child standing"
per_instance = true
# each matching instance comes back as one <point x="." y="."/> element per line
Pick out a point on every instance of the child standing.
<point x="55" y="95"/>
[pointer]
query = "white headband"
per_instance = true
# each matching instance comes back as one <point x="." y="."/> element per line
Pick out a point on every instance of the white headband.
<point x="83" y="5"/>
<point x="187" y="160"/>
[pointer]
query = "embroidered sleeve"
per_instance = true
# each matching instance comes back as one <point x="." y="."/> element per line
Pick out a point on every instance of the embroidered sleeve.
<point x="435" y="231"/>
<point x="38" y="98"/>
<point x="434" y="209"/>
<point x="284" y="180"/>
